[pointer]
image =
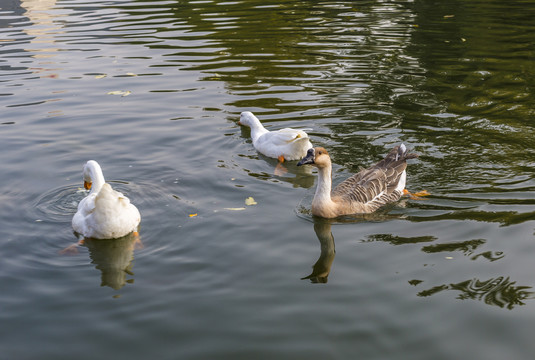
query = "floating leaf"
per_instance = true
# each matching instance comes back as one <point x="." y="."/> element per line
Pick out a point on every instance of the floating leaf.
<point x="235" y="209"/>
<point x="192" y="215"/>
<point x="101" y="76"/>
<point x="449" y="258"/>
<point x="250" y="201"/>
<point x="120" y="92"/>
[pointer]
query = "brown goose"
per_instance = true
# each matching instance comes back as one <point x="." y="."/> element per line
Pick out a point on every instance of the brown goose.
<point x="363" y="192"/>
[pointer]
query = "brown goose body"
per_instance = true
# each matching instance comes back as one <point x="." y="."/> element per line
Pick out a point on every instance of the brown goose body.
<point x="363" y="192"/>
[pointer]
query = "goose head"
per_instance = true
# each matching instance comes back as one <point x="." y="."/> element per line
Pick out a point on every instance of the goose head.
<point x="318" y="157"/>
<point x="93" y="174"/>
<point x="247" y="118"/>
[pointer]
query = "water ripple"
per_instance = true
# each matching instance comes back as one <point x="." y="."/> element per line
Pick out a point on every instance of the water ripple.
<point x="60" y="204"/>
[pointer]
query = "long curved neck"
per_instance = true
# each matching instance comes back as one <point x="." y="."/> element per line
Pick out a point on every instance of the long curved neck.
<point x="257" y="129"/>
<point x="323" y="189"/>
<point x="95" y="177"/>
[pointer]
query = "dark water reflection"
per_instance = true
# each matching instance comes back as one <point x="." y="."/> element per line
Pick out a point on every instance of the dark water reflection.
<point x="501" y="291"/>
<point x="153" y="90"/>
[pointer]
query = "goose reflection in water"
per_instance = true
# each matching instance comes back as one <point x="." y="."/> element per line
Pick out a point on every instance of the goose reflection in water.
<point x="113" y="258"/>
<point x="298" y="176"/>
<point x="322" y="228"/>
<point x="322" y="267"/>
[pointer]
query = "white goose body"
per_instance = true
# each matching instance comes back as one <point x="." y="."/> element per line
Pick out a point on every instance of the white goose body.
<point x="284" y="144"/>
<point x="104" y="213"/>
<point x="363" y="192"/>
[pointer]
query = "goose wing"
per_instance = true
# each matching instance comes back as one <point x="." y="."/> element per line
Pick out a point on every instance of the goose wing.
<point x="376" y="185"/>
<point x="87" y="205"/>
<point x="286" y="136"/>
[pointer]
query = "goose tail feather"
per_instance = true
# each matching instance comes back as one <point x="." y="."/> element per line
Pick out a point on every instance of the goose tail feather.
<point x="398" y="154"/>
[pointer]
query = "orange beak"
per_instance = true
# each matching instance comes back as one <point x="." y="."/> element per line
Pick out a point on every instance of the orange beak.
<point x="87" y="185"/>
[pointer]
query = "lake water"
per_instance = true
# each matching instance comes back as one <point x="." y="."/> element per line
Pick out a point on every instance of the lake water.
<point x="153" y="90"/>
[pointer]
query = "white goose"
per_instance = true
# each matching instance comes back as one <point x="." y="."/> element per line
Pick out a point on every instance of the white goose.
<point x="362" y="193"/>
<point x="284" y="144"/>
<point x="104" y="213"/>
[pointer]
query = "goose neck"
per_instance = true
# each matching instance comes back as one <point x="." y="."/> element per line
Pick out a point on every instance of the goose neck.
<point x="94" y="175"/>
<point x="323" y="189"/>
<point x="257" y="130"/>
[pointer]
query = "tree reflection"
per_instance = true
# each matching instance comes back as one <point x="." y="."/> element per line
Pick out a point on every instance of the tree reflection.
<point x="500" y="291"/>
<point x="309" y="60"/>
<point x="400" y="240"/>
<point x="504" y="218"/>
<point x="466" y="247"/>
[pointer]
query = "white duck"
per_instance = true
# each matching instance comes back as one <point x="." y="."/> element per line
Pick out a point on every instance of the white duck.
<point x="362" y="193"/>
<point x="104" y="213"/>
<point x="284" y="144"/>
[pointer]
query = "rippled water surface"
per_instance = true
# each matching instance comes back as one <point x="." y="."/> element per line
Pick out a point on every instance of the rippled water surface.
<point x="153" y="90"/>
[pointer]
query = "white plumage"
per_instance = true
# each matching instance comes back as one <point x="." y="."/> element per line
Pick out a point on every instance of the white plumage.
<point x="104" y="213"/>
<point x="284" y="144"/>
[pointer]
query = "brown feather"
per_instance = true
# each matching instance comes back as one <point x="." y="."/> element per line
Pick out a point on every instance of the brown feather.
<point x="384" y="176"/>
